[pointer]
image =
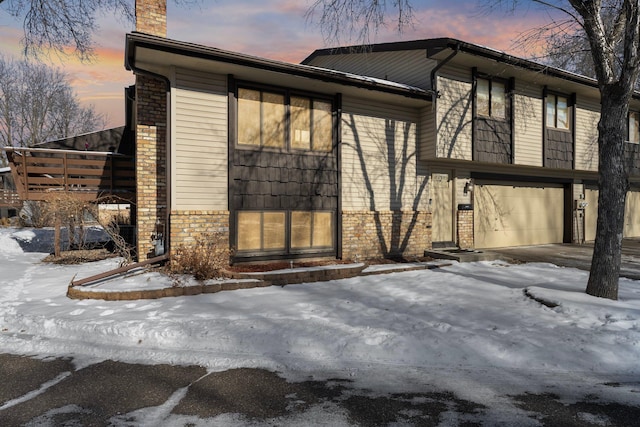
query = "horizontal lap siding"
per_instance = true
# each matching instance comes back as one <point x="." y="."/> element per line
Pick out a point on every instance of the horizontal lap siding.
<point x="427" y="134"/>
<point x="374" y="182"/>
<point x="587" y="118"/>
<point x="528" y="124"/>
<point x="406" y="67"/>
<point x="200" y="141"/>
<point x="454" y="116"/>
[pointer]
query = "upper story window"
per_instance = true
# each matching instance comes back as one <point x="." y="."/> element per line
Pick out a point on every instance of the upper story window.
<point x="634" y="127"/>
<point x="558" y="112"/>
<point x="491" y="98"/>
<point x="281" y="120"/>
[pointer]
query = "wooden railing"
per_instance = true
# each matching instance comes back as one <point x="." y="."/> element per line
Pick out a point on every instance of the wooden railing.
<point x="9" y="198"/>
<point x="39" y="173"/>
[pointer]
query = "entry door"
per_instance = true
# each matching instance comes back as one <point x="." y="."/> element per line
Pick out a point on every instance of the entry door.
<point x="442" y="208"/>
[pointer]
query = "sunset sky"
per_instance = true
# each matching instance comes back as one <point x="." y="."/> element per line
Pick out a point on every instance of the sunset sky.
<point x="274" y="29"/>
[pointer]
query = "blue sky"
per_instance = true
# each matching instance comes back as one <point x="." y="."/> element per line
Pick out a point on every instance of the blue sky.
<point x="275" y="29"/>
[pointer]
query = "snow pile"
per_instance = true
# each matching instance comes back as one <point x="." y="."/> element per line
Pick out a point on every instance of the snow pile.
<point x="9" y="247"/>
<point x="457" y="325"/>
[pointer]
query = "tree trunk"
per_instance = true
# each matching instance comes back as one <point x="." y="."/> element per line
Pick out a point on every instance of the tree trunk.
<point x="613" y="185"/>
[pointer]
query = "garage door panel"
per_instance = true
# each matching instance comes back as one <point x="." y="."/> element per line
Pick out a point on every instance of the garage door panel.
<point x="518" y="214"/>
<point x="631" y="214"/>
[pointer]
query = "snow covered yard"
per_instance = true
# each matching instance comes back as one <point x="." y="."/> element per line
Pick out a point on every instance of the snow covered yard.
<point x="467" y="328"/>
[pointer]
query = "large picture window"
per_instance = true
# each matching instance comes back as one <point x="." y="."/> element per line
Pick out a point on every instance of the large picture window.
<point x="284" y="120"/>
<point x="491" y="98"/>
<point x="279" y="231"/>
<point x="558" y="112"/>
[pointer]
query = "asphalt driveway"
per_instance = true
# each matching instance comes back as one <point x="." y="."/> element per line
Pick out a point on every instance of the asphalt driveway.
<point x="578" y="256"/>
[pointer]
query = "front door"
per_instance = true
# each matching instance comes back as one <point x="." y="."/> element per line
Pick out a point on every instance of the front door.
<point x="442" y="208"/>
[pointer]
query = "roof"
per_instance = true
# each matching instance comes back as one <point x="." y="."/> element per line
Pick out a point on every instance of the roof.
<point x="137" y="40"/>
<point x="435" y="46"/>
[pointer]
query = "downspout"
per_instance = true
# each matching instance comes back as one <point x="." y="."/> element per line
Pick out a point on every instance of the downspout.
<point x="129" y="65"/>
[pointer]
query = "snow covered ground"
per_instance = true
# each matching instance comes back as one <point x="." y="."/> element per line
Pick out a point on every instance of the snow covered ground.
<point x="467" y="328"/>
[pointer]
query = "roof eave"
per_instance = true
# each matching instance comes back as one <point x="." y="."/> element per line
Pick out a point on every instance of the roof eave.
<point x="139" y="40"/>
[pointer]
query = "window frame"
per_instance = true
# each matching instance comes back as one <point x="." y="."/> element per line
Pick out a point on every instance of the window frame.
<point x="288" y="249"/>
<point x="569" y="111"/>
<point x="637" y="121"/>
<point x="288" y="94"/>
<point x="490" y="94"/>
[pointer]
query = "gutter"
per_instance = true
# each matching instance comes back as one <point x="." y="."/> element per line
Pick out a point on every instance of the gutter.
<point x="129" y="58"/>
<point x="191" y="50"/>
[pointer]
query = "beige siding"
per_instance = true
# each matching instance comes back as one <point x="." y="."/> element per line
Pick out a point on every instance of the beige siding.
<point x="454" y="118"/>
<point x="379" y="158"/>
<point x="199" y="135"/>
<point x="527" y="104"/>
<point x="587" y="117"/>
<point x="427" y="133"/>
<point x="407" y="67"/>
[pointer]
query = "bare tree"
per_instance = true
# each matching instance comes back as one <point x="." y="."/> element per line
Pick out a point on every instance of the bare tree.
<point x="67" y="26"/>
<point x="358" y="20"/>
<point x="37" y="104"/>
<point x="57" y="25"/>
<point x="612" y="30"/>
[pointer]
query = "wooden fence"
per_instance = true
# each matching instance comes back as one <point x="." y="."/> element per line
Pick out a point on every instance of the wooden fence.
<point x="41" y="173"/>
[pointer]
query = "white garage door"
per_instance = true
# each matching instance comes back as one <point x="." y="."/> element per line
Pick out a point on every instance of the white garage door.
<point x="517" y="214"/>
<point x="631" y="214"/>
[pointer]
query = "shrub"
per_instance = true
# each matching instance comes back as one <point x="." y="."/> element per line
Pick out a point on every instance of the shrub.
<point x="205" y="259"/>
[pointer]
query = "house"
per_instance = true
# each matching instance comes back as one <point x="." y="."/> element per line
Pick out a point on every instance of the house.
<point x="9" y="201"/>
<point x="355" y="154"/>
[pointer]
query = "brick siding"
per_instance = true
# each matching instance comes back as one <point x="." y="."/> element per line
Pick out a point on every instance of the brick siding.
<point x="187" y="226"/>
<point x="465" y="229"/>
<point x="151" y="17"/>
<point x="367" y="235"/>
<point x="151" y="160"/>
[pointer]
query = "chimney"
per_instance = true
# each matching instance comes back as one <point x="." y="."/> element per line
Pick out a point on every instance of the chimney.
<point x="151" y="17"/>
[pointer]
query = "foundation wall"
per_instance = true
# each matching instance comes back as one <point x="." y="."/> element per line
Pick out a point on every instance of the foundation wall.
<point x="367" y="235"/>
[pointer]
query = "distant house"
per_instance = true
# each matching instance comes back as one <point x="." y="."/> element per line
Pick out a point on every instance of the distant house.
<point x="9" y="200"/>
<point x="356" y="154"/>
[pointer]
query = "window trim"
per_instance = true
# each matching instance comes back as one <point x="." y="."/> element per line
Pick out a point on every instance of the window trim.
<point x="288" y="93"/>
<point x="637" y="115"/>
<point x="506" y="83"/>
<point x="288" y="249"/>
<point x="570" y="109"/>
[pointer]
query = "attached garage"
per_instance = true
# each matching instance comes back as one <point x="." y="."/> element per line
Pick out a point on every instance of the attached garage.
<point x="517" y="214"/>
<point x="631" y="214"/>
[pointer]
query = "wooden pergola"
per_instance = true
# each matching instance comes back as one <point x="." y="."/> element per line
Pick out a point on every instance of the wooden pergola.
<point x="40" y="174"/>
